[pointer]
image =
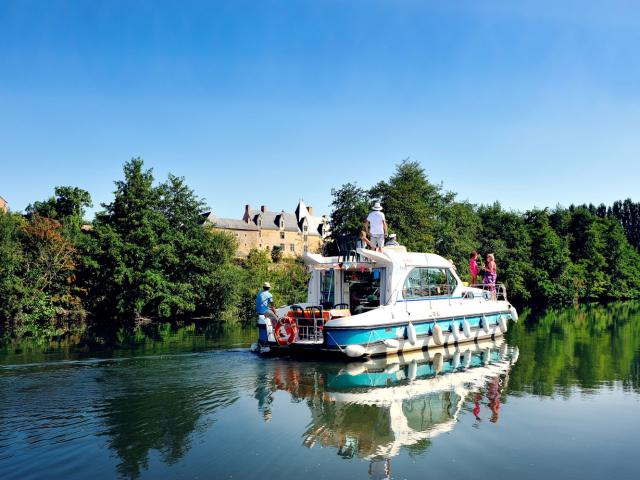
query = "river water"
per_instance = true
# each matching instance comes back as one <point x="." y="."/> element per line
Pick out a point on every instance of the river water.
<point x="560" y="398"/>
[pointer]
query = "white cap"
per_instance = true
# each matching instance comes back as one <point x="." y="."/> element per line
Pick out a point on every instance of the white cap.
<point x="266" y="285"/>
<point x="377" y="206"/>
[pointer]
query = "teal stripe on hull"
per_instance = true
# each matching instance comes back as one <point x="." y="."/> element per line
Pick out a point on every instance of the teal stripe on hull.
<point x="364" y="336"/>
<point x="383" y="379"/>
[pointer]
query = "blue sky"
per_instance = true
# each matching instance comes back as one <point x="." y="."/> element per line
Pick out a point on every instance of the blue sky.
<point x="264" y="102"/>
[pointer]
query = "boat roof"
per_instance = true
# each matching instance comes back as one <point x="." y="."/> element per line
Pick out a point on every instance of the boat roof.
<point x="390" y="256"/>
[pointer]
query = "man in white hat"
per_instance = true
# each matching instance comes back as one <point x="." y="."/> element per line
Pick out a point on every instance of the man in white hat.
<point x="376" y="226"/>
<point x="264" y="304"/>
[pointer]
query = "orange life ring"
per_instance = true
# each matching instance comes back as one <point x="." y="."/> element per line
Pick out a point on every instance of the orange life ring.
<point x="285" y="332"/>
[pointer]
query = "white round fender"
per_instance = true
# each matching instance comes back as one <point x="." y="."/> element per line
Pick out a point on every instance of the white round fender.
<point x="438" y="337"/>
<point x="466" y="328"/>
<point x="354" y="369"/>
<point x="392" y="368"/>
<point x="354" y="351"/>
<point x="515" y="355"/>
<point x="392" y="343"/>
<point x="486" y="356"/>
<point x="466" y="359"/>
<point x="437" y="363"/>
<point x="455" y="329"/>
<point x="503" y="350"/>
<point x="514" y="314"/>
<point x="411" y="334"/>
<point x="255" y="347"/>
<point x="455" y="361"/>
<point x="485" y="324"/>
<point x="503" y="323"/>
<point x="412" y="370"/>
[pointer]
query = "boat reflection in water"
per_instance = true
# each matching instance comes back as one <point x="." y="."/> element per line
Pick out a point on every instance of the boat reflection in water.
<point x="373" y="409"/>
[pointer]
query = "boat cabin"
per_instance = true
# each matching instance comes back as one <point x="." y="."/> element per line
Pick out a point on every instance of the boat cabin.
<point x="371" y="279"/>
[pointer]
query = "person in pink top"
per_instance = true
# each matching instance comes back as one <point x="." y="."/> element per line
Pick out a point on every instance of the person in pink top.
<point x="473" y="267"/>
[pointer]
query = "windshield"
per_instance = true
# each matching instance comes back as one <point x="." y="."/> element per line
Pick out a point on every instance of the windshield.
<point x="429" y="282"/>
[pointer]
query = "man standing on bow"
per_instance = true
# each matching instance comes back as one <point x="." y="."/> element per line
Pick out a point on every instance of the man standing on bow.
<point x="376" y="226"/>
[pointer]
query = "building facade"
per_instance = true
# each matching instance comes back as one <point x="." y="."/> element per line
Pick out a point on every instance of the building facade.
<point x="4" y="206"/>
<point x="294" y="233"/>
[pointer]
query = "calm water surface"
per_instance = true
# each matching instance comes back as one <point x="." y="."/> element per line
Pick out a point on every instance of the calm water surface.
<point x="559" y="399"/>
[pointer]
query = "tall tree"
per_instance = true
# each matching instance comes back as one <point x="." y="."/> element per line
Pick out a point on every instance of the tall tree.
<point x="412" y="205"/>
<point x="350" y="206"/>
<point x="149" y="255"/>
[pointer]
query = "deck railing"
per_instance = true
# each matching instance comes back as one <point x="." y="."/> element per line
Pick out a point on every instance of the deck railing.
<point x="310" y="322"/>
<point x="310" y="333"/>
<point x="496" y="291"/>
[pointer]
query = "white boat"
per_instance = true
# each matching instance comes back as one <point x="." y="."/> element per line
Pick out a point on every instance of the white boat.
<point x="373" y="409"/>
<point x="380" y="303"/>
<point x="418" y="396"/>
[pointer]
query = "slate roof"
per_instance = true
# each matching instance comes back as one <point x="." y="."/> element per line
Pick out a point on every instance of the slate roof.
<point x="293" y="222"/>
<point x="228" y="223"/>
<point x="271" y="220"/>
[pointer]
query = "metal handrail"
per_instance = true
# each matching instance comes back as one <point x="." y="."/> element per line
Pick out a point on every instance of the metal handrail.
<point x="310" y="332"/>
<point x="498" y="291"/>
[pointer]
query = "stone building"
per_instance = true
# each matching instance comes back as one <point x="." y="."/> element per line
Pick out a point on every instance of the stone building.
<point x="4" y="206"/>
<point x="295" y="233"/>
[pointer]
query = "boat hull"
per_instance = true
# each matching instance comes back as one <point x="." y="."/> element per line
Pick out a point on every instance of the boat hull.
<point x="394" y="337"/>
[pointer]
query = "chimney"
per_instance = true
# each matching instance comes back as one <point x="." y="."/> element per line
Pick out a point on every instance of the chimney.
<point x="263" y="208"/>
<point x="310" y="209"/>
<point x="247" y="216"/>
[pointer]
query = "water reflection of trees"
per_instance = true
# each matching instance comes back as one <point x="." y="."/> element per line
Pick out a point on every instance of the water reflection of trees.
<point x="160" y="412"/>
<point x="587" y="346"/>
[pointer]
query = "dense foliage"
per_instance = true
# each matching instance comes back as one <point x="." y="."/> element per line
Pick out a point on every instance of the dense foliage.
<point x="146" y="256"/>
<point x="39" y="292"/>
<point x="546" y="256"/>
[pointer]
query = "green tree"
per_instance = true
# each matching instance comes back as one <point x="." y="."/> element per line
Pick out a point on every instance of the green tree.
<point x="37" y="274"/>
<point x="150" y="257"/>
<point x="412" y="205"/>
<point x="457" y="235"/>
<point x="67" y="202"/>
<point x="68" y="207"/>
<point x="276" y="254"/>
<point x="548" y="260"/>
<point x="505" y="235"/>
<point x="350" y="206"/>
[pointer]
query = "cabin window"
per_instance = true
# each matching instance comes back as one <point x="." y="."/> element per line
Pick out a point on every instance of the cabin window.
<point x="451" y="280"/>
<point x="327" y="291"/>
<point x="428" y="282"/>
